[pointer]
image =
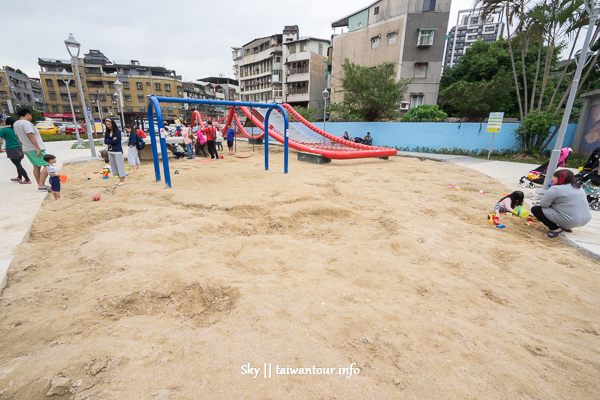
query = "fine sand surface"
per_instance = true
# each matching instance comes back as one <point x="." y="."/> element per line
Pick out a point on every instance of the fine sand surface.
<point x="156" y="293"/>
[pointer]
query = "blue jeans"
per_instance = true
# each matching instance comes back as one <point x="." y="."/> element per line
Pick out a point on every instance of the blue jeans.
<point x="190" y="149"/>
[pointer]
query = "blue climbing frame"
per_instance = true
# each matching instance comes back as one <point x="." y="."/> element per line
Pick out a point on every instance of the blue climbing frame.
<point x="154" y="105"/>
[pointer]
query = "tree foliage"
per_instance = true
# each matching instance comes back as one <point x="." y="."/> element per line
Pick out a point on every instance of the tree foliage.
<point x="36" y="116"/>
<point x="536" y="129"/>
<point x="425" y="112"/>
<point x="308" y="113"/>
<point x="371" y="94"/>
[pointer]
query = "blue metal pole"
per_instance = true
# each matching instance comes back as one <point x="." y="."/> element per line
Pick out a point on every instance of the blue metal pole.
<point x="267" y="139"/>
<point x="152" y="103"/>
<point x="285" y="138"/>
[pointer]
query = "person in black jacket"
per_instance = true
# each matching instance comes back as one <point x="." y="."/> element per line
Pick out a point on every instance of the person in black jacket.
<point x="112" y="137"/>
<point x="132" y="152"/>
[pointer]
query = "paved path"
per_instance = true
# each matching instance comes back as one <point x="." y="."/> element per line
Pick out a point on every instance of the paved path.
<point x="587" y="238"/>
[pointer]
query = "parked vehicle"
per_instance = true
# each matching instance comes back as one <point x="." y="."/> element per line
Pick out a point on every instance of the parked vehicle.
<point x="70" y="129"/>
<point x="61" y="125"/>
<point x="47" y="128"/>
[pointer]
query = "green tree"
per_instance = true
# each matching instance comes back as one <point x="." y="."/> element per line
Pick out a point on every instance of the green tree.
<point x="425" y="112"/>
<point x="536" y="129"/>
<point x="371" y="94"/>
<point x="308" y="113"/>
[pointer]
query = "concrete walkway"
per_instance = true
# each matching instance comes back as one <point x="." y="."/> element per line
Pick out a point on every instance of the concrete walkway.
<point x="21" y="203"/>
<point x="586" y="238"/>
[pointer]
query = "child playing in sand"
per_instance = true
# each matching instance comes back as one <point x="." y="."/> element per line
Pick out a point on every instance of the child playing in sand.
<point x="507" y="204"/>
<point x="54" y="175"/>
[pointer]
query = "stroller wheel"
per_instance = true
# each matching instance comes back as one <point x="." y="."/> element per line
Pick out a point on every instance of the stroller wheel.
<point x="531" y="185"/>
<point x="595" y="205"/>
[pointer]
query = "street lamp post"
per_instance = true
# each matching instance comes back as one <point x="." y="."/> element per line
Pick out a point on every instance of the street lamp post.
<point x="583" y="59"/>
<point x="119" y="87"/>
<point x="73" y="45"/>
<point x="67" y="80"/>
<point x="325" y="94"/>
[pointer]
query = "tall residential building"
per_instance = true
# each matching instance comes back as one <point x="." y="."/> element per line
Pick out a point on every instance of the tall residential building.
<point x="98" y="75"/>
<point x="408" y="33"/>
<point x="18" y="90"/>
<point x="259" y="65"/>
<point x="470" y="27"/>
<point x="305" y="65"/>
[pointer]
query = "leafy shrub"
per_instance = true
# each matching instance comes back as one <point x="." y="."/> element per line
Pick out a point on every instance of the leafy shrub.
<point x="425" y="112"/>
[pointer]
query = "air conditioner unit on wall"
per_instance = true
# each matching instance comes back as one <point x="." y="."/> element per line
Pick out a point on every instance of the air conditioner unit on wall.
<point x="404" y="106"/>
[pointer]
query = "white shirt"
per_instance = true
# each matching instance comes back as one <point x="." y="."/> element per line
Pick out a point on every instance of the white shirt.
<point x="22" y="127"/>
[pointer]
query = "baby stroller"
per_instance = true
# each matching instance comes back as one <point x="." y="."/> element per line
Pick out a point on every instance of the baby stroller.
<point x="589" y="179"/>
<point x="539" y="174"/>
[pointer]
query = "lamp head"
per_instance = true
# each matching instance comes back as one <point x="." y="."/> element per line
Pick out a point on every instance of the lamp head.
<point x="325" y="94"/>
<point x="118" y="85"/>
<point x="72" y="45"/>
<point x="65" y="75"/>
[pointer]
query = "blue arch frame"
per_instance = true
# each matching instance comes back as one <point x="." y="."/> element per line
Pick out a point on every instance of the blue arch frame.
<point x="154" y="105"/>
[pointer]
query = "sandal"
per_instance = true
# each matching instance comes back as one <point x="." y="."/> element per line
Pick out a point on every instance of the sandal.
<point x="45" y="189"/>
<point x="554" y="234"/>
<point x="16" y="180"/>
<point x="567" y="230"/>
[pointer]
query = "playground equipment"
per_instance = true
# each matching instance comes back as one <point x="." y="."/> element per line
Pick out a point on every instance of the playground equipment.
<point x="154" y="106"/>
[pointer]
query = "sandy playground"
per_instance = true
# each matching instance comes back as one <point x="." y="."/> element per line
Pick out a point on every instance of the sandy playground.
<point x="366" y="266"/>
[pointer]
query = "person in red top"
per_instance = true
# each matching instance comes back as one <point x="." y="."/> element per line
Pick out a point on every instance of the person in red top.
<point x="141" y="133"/>
<point x="211" y="135"/>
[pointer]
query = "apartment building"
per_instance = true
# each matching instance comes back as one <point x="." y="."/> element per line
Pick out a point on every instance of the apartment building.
<point x="18" y="90"/>
<point x="259" y="65"/>
<point x="408" y="33"/>
<point x="98" y="75"/>
<point x="305" y="72"/>
<point x="470" y="27"/>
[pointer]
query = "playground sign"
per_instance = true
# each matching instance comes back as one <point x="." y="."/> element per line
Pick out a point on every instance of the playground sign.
<point x="494" y="125"/>
<point x="495" y="122"/>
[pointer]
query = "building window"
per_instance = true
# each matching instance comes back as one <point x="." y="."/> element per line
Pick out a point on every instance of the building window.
<point x="167" y="87"/>
<point x="321" y="48"/>
<point x="52" y="95"/>
<point x="358" y="25"/>
<point x="416" y="100"/>
<point x="428" y="5"/>
<point x="490" y="28"/>
<point x="392" y="37"/>
<point x="420" y="70"/>
<point x="140" y="97"/>
<point x="302" y="46"/>
<point x="376" y="11"/>
<point x="127" y="97"/>
<point x="49" y="82"/>
<point x="472" y="37"/>
<point x="292" y="48"/>
<point x="125" y="85"/>
<point x="139" y="86"/>
<point x="66" y="109"/>
<point x="77" y="109"/>
<point x="157" y="86"/>
<point x="277" y="59"/>
<point x="425" y="37"/>
<point x="474" y="20"/>
<point x="375" y="42"/>
<point x="1" y="80"/>
<point x="55" y="109"/>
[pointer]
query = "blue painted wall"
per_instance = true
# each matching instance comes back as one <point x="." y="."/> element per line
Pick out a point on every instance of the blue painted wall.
<point x="468" y="136"/>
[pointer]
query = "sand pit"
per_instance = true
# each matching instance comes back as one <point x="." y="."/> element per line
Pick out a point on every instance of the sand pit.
<point x="156" y="293"/>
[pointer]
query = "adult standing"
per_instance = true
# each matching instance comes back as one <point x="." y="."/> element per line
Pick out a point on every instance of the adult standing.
<point x="200" y="142"/>
<point x="188" y="140"/>
<point x="230" y="138"/>
<point x="133" y="158"/>
<point x="112" y="137"/>
<point x="564" y="206"/>
<point x="211" y="136"/>
<point x="14" y="151"/>
<point x="33" y="146"/>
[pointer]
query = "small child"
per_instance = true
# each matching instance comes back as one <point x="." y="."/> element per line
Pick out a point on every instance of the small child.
<point x="507" y="204"/>
<point x="54" y="175"/>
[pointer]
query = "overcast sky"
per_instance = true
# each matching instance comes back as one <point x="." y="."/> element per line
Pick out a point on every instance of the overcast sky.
<point x="193" y="37"/>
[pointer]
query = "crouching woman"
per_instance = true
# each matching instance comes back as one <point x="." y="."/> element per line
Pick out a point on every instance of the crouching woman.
<point x="564" y="206"/>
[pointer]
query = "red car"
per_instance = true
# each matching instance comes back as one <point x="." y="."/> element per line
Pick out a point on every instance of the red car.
<point x="70" y="129"/>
